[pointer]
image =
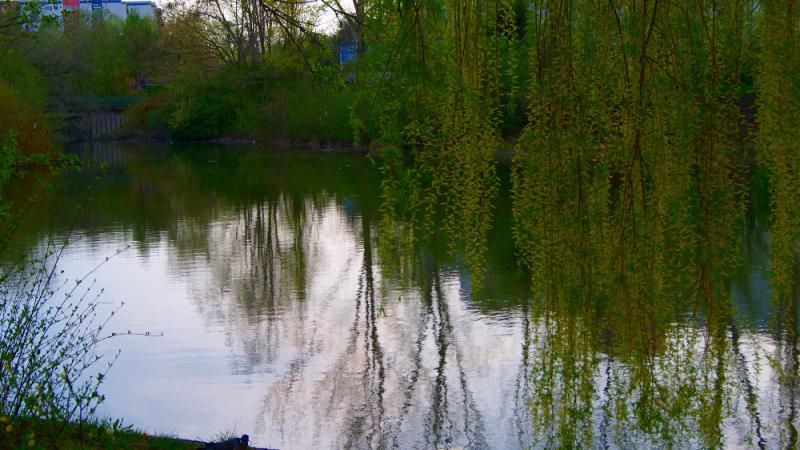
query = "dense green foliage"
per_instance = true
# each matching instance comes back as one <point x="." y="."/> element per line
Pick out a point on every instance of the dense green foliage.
<point x="637" y="127"/>
<point x="631" y="174"/>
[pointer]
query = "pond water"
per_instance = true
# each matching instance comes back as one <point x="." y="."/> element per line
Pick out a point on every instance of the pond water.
<point x="263" y="271"/>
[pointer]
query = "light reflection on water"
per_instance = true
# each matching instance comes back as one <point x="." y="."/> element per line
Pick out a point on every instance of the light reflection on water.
<point x="295" y="373"/>
<point x="261" y="269"/>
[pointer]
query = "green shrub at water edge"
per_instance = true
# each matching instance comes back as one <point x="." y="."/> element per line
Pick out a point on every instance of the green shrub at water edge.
<point x="49" y="328"/>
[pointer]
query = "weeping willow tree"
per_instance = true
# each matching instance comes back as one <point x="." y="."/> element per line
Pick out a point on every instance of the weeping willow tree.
<point x="628" y="195"/>
<point x="778" y="150"/>
<point x="630" y="181"/>
<point x="451" y="72"/>
<point x="779" y="136"/>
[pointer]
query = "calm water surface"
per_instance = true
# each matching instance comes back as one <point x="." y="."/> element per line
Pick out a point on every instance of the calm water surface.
<point x="261" y="268"/>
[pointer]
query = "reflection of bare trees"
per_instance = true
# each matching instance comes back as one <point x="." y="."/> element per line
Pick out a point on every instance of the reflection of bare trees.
<point x="745" y="380"/>
<point x="442" y="429"/>
<point x="365" y="426"/>
<point x="298" y="288"/>
<point x="257" y="260"/>
<point x="371" y="400"/>
<point x="350" y="353"/>
<point x="786" y="354"/>
<point x="522" y="417"/>
<point x="294" y="282"/>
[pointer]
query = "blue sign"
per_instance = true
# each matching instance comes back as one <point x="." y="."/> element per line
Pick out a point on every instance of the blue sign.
<point x="347" y="52"/>
<point x="97" y="4"/>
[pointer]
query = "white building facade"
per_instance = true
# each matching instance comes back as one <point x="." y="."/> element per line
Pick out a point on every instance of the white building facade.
<point x="120" y="9"/>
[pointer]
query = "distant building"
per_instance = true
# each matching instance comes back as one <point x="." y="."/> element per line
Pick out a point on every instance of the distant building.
<point x="121" y="9"/>
<point x="348" y="51"/>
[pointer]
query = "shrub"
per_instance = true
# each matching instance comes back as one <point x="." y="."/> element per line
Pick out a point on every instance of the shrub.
<point x="28" y="123"/>
<point x="9" y="155"/>
<point x="149" y="115"/>
<point x="202" y="111"/>
<point x="48" y="335"/>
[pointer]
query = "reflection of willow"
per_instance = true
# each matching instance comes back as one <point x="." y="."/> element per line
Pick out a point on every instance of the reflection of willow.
<point x="626" y="190"/>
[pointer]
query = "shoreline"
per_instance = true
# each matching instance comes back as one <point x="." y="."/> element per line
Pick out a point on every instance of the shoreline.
<point x="17" y="432"/>
<point x="503" y="154"/>
<point x="280" y="143"/>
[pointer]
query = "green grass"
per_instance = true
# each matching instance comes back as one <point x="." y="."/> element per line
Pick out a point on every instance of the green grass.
<point x="28" y="433"/>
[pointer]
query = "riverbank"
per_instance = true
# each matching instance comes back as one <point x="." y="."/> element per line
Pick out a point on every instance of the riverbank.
<point x="504" y="153"/>
<point x="278" y="143"/>
<point x="34" y="433"/>
<point x="38" y="434"/>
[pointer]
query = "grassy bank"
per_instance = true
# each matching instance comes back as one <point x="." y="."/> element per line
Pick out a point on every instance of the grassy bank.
<point x="30" y="433"/>
<point x="36" y="434"/>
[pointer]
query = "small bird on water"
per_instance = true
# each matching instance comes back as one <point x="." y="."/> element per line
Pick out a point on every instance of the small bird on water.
<point x="240" y="443"/>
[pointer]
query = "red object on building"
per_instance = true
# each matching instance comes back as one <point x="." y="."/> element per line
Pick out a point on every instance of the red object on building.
<point x="72" y="4"/>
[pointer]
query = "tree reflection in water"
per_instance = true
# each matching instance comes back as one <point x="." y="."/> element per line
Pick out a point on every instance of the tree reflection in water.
<point x="356" y="323"/>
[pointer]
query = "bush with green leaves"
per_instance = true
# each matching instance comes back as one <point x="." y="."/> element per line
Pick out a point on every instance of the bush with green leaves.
<point x="50" y="326"/>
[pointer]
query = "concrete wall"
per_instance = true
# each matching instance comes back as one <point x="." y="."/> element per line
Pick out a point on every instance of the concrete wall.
<point x="84" y="126"/>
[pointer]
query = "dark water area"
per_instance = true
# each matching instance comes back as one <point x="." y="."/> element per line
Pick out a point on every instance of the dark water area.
<point x="281" y="318"/>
